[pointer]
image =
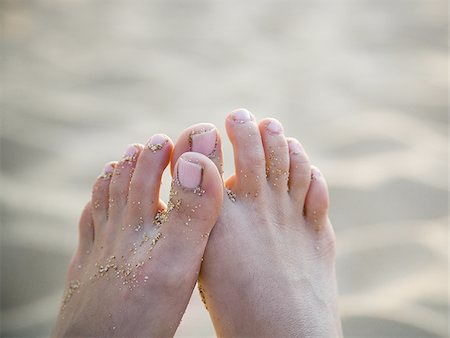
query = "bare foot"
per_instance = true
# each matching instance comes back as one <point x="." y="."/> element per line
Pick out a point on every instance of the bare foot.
<point x="269" y="266"/>
<point x="138" y="260"/>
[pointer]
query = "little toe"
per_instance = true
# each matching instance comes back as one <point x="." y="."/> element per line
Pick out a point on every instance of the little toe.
<point x="143" y="198"/>
<point x="201" y="138"/>
<point x="299" y="171"/>
<point x="120" y="180"/>
<point x="249" y="159"/>
<point x="277" y="154"/>
<point x="85" y="242"/>
<point x="100" y="194"/>
<point x="317" y="200"/>
<point x="86" y="230"/>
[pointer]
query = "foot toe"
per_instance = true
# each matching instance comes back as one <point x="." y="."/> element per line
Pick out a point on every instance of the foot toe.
<point x="86" y="230"/>
<point x="317" y="199"/>
<point x="100" y="194"/>
<point x="198" y="191"/>
<point x="249" y="158"/>
<point x="143" y="196"/>
<point x="85" y="242"/>
<point x="299" y="171"/>
<point x="196" y="199"/>
<point x="201" y="138"/>
<point x="120" y="180"/>
<point x="195" y="202"/>
<point x="276" y="153"/>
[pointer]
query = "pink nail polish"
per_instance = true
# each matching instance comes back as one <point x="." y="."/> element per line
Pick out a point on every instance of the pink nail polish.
<point x="108" y="170"/>
<point x="130" y="153"/>
<point x="274" y="127"/>
<point x="241" y="115"/>
<point x="294" y="147"/>
<point x="189" y="174"/>
<point x="204" y="142"/>
<point x="315" y="174"/>
<point x="157" y="142"/>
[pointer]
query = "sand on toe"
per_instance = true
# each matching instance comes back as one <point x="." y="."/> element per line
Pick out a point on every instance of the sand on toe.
<point x="362" y="84"/>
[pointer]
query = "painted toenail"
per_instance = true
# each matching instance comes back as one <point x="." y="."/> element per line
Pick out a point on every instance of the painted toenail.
<point x="315" y="174"/>
<point x="108" y="170"/>
<point x="189" y="174"/>
<point x="294" y="147"/>
<point x="157" y="142"/>
<point x="274" y="127"/>
<point x="130" y="153"/>
<point x="241" y="115"/>
<point x="204" y="142"/>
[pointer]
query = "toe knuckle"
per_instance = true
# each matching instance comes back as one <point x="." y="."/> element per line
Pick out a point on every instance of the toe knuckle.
<point x="255" y="159"/>
<point x="329" y="240"/>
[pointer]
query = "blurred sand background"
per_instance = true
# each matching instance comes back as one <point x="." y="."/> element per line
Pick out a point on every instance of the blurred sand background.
<point x="363" y="84"/>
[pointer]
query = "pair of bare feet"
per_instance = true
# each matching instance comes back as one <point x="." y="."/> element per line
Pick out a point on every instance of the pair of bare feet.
<point x="260" y="244"/>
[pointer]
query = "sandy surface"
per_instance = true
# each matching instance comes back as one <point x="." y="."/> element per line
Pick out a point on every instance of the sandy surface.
<point x="363" y="84"/>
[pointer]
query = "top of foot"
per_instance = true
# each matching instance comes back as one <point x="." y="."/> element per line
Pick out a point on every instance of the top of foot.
<point x="269" y="263"/>
<point x="136" y="254"/>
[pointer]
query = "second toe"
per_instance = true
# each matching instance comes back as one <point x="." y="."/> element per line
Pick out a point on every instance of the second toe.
<point x="276" y="153"/>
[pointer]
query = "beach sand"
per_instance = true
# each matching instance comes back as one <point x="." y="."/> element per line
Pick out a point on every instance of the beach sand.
<point x="362" y="84"/>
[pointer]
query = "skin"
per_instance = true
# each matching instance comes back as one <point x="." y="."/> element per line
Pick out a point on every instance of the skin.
<point x="269" y="266"/>
<point x="101" y="297"/>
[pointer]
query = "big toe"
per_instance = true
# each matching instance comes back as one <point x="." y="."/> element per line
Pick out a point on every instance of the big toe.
<point x="195" y="202"/>
<point x="202" y="138"/>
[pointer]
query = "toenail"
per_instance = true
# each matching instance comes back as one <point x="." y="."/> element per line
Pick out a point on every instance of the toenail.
<point x="130" y="153"/>
<point x="241" y="115"/>
<point x="294" y="147"/>
<point x="315" y="174"/>
<point x="156" y="142"/>
<point x="108" y="170"/>
<point x="189" y="174"/>
<point x="204" y="142"/>
<point x="274" y="127"/>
